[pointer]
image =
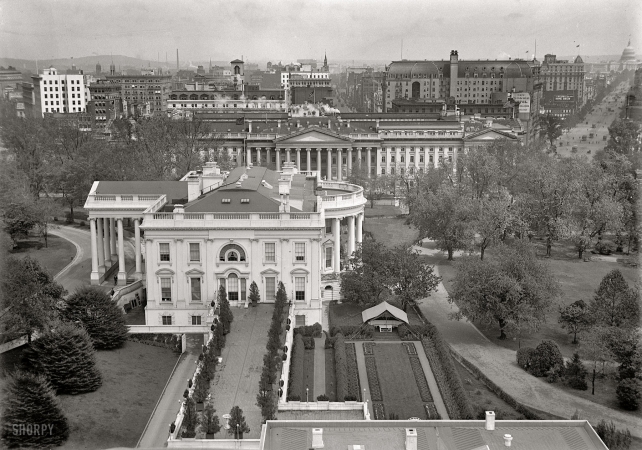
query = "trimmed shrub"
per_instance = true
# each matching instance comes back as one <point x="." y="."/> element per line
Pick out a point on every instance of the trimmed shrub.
<point x="308" y="342"/>
<point x="547" y="356"/>
<point x="297" y="368"/>
<point x="353" y="386"/>
<point x="613" y="438"/>
<point x="405" y="333"/>
<point x="340" y="366"/>
<point x="350" y="398"/>
<point x="628" y="393"/>
<point x="323" y="398"/>
<point x="525" y="357"/>
<point x="310" y="330"/>
<point x="30" y="400"/>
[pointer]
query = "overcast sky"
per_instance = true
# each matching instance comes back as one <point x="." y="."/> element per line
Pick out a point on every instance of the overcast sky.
<point x="290" y="29"/>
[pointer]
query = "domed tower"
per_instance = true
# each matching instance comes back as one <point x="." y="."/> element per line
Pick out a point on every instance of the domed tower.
<point x="628" y="54"/>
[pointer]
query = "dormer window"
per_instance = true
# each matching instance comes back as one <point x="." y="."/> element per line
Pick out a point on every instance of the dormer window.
<point x="245" y="200"/>
<point x="225" y="200"/>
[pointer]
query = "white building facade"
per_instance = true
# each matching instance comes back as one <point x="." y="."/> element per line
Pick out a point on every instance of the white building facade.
<point x="61" y="93"/>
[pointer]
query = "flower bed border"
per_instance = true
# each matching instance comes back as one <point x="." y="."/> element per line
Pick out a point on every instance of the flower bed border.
<point x="420" y="379"/>
<point x="373" y="379"/>
<point x="353" y="385"/>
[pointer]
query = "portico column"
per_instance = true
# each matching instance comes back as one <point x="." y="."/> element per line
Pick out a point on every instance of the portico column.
<point x="308" y="166"/>
<point x="388" y="155"/>
<point x="417" y="159"/>
<point x="329" y="164"/>
<point x="106" y="248"/>
<point x="359" y="157"/>
<point x="278" y="160"/>
<point x="455" y="159"/>
<point x="95" y="276"/>
<point x="298" y="159"/>
<point x="337" y="245"/>
<point x="139" y="270"/>
<point x="369" y="161"/>
<point x="339" y="164"/>
<point x="101" y="248"/>
<point x="435" y="158"/>
<point x="288" y="156"/>
<point x="319" y="161"/>
<point x="359" y="228"/>
<point x="396" y="159"/>
<point x="112" y="240"/>
<point x="258" y="156"/>
<point x="350" y="235"/>
<point x="249" y="156"/>
<point x="349" y="162"/>
<point x="122" y="273"/>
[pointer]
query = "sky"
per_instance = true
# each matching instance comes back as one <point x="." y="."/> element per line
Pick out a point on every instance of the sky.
<point x="286" y="30"/>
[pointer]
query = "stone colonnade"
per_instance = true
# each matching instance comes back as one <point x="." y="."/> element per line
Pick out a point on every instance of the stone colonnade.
<point x="108" y="248"/>
<point x="355" y="236"/>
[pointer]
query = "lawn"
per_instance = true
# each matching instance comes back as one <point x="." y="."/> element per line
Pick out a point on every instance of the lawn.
<point x="308" y="376"/>
<point x="391" y="231"/>
<point x="116" y="414"/>
<point x="349" y="314"/>
<point x="330" y="376"/>
<point x="58" y="253"/>
<point x="382" y="211"/>
<point x="398" y="386"/>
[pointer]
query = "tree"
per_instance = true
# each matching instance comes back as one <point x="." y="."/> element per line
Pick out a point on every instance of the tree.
<point x="628" y="393"/>
<point x="20" y="219"/>
<point x="546" y="356"/>
<point x="255" y="295"/>
<point x="575" y="318"/>
<point x="575" y="373"/>
<point x="94" y="310"/>
<point x="613" y="438"/>
<point x="30" y="297"/>
<point x="493" y="218"/>
<point x="369" y="277"/>
<point x="513" y="289"/>
<point x="624" y="137"/>
<point x="550" y="127"/>
<point x="66" y="357"/>
<point x="412" y="278"/>
<point x="594" y="347"/>
<point x="445" y="216"/>
<point x="210" y="420"/>
<point x="190" y="418"/>
<point x="615" y="304"/>
<point x="225" y="312"/>
<point x="30" y="402"/>
<point x="238" y="426"/>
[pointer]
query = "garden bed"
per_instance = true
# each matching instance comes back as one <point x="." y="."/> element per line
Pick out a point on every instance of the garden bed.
<point x="373" y="379"/>
<point x="353" y="384"/>
<point x="330" y="376"/>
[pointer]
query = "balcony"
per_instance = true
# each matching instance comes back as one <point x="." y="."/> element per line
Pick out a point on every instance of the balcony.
<point x="232" y="220"/>
<point x="124" y="202"/>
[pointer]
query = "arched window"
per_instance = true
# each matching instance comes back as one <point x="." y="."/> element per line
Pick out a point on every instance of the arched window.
<point x="229" y="249"/>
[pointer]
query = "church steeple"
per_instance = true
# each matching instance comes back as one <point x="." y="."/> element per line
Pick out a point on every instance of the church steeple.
<point x="325" y="61"/>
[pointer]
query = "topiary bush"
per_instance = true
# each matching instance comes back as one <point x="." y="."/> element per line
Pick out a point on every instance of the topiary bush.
<point x="628" y="393"/>
<point x="323" y="398"/>
<point x="525" y="357"/>
<point x="547" y="355"/>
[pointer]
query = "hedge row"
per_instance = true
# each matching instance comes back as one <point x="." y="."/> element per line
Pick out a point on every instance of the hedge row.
<point x="353" y="385"/>
<point x="310" y="330"/>
<point x="297" y="369"/>
<point x="340" y="366"/>
<point x="367" y="332"/>
<point x="452" y="391"/>
<point x="170" y="341"/>
<point x="498" y="391"/>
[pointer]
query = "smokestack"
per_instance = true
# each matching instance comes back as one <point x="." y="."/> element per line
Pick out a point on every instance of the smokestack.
<point x="507" y="439"/>
<point x="317" y="438"/>
<point x="490" y="420"/>
<point x="177" y="69"/>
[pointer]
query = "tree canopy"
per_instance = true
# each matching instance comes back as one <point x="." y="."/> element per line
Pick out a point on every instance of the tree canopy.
<point x="615" y="304"/>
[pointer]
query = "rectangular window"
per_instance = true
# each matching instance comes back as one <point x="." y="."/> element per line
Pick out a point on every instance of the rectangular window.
<point x="196" y="320"/>
<point x="167" y="320"/>
<point x="164" y="251"/>
<point x="270" y="251"/>
<point x="270" y="289"/>
<point x="233" y="288"/>
<point x="196" y="289"/>
<point x="328" y="257"/>
<point x="194" y="251"/>
<point x="299" y="251"/>
<point x="299" y="288"/>
<point x="166" y="289"/>
<point x="243" y="289"/>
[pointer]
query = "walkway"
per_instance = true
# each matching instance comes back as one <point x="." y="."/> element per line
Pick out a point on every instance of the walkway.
<point x="319" y="366"/>
<point x="363" y="377"/>
<point x="432" y="382"/>
<point x="500" y="366"/>
<point x="157" y="431"/>
<point x="236" y="382"/>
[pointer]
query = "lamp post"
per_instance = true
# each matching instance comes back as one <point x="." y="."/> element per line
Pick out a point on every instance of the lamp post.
<point x="237" y="431"/>
<point x="307" y="391"/>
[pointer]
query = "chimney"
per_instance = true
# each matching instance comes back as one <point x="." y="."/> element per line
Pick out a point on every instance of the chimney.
<point x="490" y="420"/>
<point x="298" y="124"/>
<point x="329" y="124"/>
<point x="193" y="187"/>
<point x="507" y="439"/>
<point x="411" y="439"/>
<point x="284" y="193"/>
<point x="250" y="127"/>
<point x="317" y="437"/>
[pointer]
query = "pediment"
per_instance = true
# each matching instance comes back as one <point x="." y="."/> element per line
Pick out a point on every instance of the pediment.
<point x="313" y="135"/>
<point x="269" y="271"/>
<point x="194" y="271"/>
<point x="489" y="135"/>
<point x="164" y="271"/>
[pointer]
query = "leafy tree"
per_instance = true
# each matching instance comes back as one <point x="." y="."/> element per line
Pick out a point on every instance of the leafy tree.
<point x="20" y="219"/>
<point x="93" y="309"/>
<point x="30" y="297"/>
<point x="223" y="159"/>
<point x="238" y="426"/>
<point x="225" y="312"/>
<point x="190" y="418"/>
<point x="613" y="438"/>
<point x="202" y="386"/>
<point x="546" y="356"/>
<point x="575" y="373"/>
<point x="255" y="295"/>
<point x="66" y="357"/>
<point x="210" y="420"/>
<point x="446" y="217"/>
<point x="628" y="393"/>
<point x="624" y="137"/>
<point x="594" y="347"/>
<point x="615" y="304"/>
<point x="575" y="318"/>
<point x="550" y="127"/>
<point x="513" y="289"/>
<point x="370" y="273"/>
<point x="30" y="401"/>
<point x="412" y="278"/>
<point x="493" y="218"/>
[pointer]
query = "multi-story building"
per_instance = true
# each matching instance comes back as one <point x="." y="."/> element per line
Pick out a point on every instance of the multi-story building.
<point x="10" y="77"/>
<point x="309" y="89"/>
<point x="147" y="93"/>
<point x="208" y="100"/>
<point x="106" y="104"/>
<point x="563" y="86"/>
<point x="55" y="93"/>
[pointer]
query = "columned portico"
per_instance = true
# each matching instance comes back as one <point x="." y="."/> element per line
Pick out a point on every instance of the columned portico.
<point x="95" y="276"/>
<point x="329" y="165"/>
<point x="139" y="270"/>
<point x="350" y="235"/>
<point x="100" y="247"/>
<point x="122" y="274"/>
<point x="336" y="251"/>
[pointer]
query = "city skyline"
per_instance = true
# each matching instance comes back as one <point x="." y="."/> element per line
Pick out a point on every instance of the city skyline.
<point x="286" y="31"/>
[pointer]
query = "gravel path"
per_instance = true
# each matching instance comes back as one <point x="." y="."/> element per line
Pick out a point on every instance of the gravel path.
<point x="499" y="365"/>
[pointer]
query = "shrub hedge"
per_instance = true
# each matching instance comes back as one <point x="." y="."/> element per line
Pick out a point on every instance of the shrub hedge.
<point x="297" y="368"/>
<point x="547" y="356"/>
<point x="340" y="366"/>
<point x="353" y="386"/>
<point x="310" y="330"/>
<point x="349" y="330"/>
<point x="525" y="357"/>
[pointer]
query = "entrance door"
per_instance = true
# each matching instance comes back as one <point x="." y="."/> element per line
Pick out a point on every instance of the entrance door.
<point x="415" y="89"/>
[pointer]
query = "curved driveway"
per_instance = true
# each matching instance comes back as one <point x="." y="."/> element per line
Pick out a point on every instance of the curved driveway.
<point x="499" y="365"/>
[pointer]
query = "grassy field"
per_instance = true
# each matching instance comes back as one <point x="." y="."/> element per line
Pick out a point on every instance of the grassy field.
<point x="330" y="376"/>
<point x="308" y="377"/>
<point x="390" y="231"/>
<point x="116" y="414"/>
<point x="58" y="253"/>
<point x="398" y="386"/>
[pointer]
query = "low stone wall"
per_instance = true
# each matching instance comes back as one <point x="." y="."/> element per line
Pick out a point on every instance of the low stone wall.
<point x="326" y="406"/>
<point x="222" y="444"/>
